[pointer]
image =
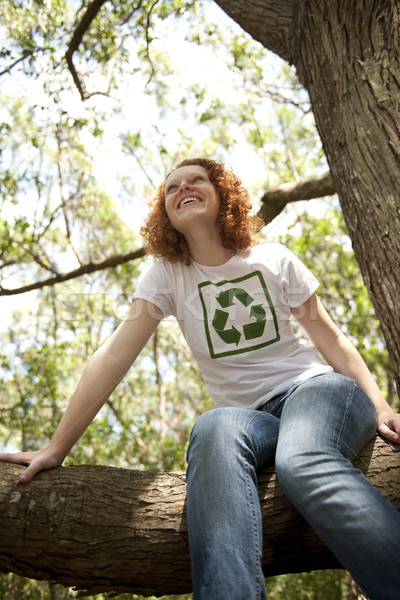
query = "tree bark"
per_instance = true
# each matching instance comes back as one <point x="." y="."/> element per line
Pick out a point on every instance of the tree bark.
<point x="347" y="55"/>
<point x="102" y="529"/>
<point x="349" y="60"/>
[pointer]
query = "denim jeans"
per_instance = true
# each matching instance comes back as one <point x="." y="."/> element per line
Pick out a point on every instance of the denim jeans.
<point x="312" y="432"/>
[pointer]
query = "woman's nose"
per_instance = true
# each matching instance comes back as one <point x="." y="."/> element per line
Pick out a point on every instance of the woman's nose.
<point x="185" y="185"/>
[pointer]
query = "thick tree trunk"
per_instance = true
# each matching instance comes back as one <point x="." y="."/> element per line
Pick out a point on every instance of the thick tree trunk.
<point x="347" y="55"/>
<point x="104" y="529"/>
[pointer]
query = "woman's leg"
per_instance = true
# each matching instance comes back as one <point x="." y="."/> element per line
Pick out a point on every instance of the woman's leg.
<point x="224" y="516"/>
<point x="324" y="424"/>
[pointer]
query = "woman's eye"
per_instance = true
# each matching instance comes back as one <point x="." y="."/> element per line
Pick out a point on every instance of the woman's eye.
<point x="175" y="186"/>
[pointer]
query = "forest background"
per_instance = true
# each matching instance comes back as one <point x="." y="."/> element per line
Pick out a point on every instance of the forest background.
<point x="155" y="83"/>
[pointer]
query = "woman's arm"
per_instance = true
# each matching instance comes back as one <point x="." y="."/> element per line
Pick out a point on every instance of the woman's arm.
<point x="340" y="353"/>
<point x="103" y="372"/>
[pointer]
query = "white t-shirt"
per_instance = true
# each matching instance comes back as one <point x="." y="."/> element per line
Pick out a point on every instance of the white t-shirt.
<point x="235" y="318"/>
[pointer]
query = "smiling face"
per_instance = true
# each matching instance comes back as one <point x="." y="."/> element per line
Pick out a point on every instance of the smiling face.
<point x="191" y="199"/>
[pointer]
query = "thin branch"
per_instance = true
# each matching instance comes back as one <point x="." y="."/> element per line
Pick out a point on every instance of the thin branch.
<point x="42" y="262"/>
<point x="23" y="57"/>
<point x="131" y="152"/>
<point x="129" y="16"/>
<point x="148" y="41"/>
<point x="274" y="201"/>
<point x="160" y="385"/>
<point x="289" y="150"/>
<point x="64" y="202"/>
<point x="90" y="267"/>
<point x="282" y="99"/>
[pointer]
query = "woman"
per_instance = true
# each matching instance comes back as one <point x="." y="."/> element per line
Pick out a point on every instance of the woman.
<point x="275" y="399"/>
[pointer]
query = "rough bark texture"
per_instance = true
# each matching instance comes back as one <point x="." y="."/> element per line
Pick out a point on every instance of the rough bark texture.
<point x="348" y="58"/>
<point x="347" y="55"/>
<point x="105" y="529"/>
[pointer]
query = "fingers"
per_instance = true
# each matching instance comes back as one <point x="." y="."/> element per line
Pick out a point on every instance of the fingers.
<point x="389" y="432"/>
<point x="37" y="460"/>
<point x="29" y="473"/>
<point x="19" y="458"/>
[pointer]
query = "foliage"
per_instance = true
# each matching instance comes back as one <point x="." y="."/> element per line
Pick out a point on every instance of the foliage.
<point x="329" y="585"/>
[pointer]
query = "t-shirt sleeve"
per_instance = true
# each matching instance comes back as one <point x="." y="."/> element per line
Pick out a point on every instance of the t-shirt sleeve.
<point x="155" y="287"/>
<point x="298" y="282"/>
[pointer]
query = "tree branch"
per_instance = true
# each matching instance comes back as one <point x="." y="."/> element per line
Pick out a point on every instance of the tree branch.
<point x="148" y="41"/>
<point x="92" y="267"/>
<point x="269" y="22"/>
<point x="274" y="201"/>
<point x="104" y="529"/>
<point x="91" y="13"/>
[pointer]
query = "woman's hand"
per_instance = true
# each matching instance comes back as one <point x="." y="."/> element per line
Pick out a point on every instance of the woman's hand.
<point x="38" y="460"/>
<point x="389" y="426"/>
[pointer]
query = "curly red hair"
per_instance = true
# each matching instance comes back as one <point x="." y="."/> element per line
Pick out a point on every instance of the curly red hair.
<point x="237" y="224"/>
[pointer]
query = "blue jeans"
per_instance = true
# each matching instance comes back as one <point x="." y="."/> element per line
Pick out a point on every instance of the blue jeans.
<point x="313" y="432"/>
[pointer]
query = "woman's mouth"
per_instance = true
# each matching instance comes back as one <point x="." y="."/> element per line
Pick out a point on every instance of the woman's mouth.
<point x="188" y="200"/>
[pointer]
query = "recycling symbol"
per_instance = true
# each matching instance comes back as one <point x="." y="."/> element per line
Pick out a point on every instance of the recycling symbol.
<point x="257" y="316"/>
<point x="239" y="315"/>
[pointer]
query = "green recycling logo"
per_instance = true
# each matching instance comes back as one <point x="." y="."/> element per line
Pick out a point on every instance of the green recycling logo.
<point x="238" y="315"/>
<point x="251" y="330"/>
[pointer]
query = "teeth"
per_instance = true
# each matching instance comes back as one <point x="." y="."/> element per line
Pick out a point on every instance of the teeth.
<point x="187" y="200"/>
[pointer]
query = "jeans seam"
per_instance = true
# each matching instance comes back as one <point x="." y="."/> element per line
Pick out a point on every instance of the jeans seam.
<point x="350" y="397"/>
<point x="252" y="500"/>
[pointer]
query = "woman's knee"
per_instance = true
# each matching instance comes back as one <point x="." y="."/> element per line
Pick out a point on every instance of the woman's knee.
<point x="212" y="432"/>
<point x="211" y="424"/>
<point x="328" y="413"/>
<point x="213" y="447"/>
<point x="234" y="434"/>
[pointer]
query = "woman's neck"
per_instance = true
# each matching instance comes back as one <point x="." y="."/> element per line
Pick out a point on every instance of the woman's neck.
<point x="211" y="253"/>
